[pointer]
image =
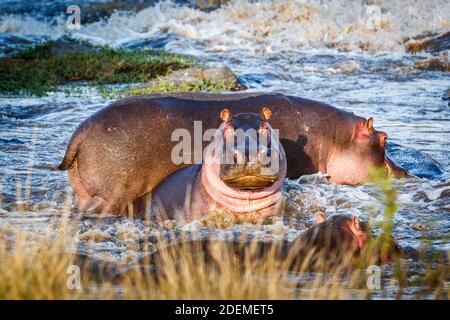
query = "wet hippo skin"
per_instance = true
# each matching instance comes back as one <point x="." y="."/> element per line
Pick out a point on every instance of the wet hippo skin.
<point x="124" y="150"/>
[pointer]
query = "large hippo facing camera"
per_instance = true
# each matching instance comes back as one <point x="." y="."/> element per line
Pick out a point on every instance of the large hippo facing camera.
<point x="126" y="149"/>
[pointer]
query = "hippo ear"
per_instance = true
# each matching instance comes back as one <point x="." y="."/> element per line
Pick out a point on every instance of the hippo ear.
<point x="355" y="223"/>
<point x="265" y="113"/>
<point x="225" y="115"/>
<point x="320" y="217"/>
<point x="369" y="124"/>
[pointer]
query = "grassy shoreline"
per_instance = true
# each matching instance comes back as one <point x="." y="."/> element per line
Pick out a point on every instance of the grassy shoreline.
<point x="46" y="67"/>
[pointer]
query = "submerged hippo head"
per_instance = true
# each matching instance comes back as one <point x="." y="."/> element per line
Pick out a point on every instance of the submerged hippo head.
<point x="245" y="165"/>
<point x="250" y="160"/>
<point x="351" y="163"/>
<point x="333" y="240"/>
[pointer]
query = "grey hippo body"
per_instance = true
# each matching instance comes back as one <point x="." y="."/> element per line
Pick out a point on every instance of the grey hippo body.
<point x="124" y="150"/>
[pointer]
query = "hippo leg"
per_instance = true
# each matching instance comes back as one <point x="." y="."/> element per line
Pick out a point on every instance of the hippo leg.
<point x="99" y="205"/>
<point x="83" y="200"/>
<point x="82" y="197"/>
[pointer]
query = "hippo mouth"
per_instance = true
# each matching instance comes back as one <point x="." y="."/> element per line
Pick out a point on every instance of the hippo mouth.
<point x="250" y="182"/>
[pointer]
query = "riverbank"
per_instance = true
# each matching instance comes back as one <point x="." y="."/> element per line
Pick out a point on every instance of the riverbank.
<point x="45" y="67"/>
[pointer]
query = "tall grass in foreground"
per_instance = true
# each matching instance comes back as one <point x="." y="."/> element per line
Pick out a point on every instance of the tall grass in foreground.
<point x="42" y="268"/>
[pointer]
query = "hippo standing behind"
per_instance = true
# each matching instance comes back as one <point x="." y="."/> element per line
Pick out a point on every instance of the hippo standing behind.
<point x="249" y="181"/>
<point x="124" y="150"/>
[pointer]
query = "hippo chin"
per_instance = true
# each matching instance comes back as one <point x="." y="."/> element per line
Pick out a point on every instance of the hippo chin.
<point x="247" y="184"/>
<point x="124" y="151"/>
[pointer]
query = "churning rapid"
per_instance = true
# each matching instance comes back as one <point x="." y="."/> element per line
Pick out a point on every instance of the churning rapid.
<point x="349" y="54"/>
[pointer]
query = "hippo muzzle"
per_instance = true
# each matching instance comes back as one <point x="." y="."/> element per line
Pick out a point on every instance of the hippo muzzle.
<point x="250" y="175"/>
<point x="245" y="166"/>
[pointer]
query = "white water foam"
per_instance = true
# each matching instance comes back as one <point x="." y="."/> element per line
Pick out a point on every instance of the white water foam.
<point x="264" y="26"/>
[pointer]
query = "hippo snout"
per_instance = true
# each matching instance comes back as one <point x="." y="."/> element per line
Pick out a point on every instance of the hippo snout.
<point x="251" y="171"/>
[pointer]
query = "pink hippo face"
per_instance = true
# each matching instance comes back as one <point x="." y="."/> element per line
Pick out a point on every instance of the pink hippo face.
<point x="245" y="165"/>
<point x="250" y="152"/>
<point x="351" y="164"/>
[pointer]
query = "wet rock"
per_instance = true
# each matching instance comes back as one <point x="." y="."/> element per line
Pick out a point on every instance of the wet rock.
<point x="440" y="63"/>
<point x="3" y="212"/>
<point x="220" y="76"/>
<point x="97" y="11"/>
<point x="208" y="5"/>
<point x="63" y="47"/>
<point x="434" y="43"/>
<point x="224" y="74"/>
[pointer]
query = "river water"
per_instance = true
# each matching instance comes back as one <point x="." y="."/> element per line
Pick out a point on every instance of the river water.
<point x="347" y="54"/>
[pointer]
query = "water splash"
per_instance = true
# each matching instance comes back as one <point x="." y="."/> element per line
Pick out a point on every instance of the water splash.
<point x="262" y="27"/>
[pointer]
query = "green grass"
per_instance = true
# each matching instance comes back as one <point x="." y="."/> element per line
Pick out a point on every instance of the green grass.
<point x="200" y="86"/>
<point x="36" y="71"/>
<point x="166" y="86"/>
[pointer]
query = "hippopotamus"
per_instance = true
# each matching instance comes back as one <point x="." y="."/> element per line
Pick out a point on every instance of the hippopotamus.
<point x="249" y="182"/>
<point x="334" y="241"/>
<point x="125" y="150"/>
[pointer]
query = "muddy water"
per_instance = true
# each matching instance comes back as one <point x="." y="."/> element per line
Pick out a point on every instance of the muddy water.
<point x="352" y="59"/>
